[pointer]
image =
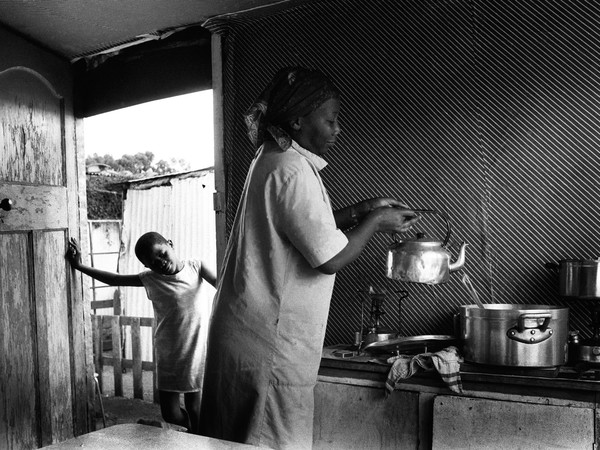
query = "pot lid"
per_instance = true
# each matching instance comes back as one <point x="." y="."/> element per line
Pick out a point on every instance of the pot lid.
<point x="580" y="262"/>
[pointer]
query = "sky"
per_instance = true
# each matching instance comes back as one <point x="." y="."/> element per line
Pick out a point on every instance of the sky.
<point x="179" y="127"/>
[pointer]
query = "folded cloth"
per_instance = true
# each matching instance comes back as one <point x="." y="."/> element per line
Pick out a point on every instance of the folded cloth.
<point x="446" y="362"/>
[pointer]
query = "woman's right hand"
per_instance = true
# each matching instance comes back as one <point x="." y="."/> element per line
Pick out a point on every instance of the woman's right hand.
<point x="394" y="219"/>
<point x="384" y="219"/>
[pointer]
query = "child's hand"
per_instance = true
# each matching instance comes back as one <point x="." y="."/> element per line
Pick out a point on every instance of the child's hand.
<point x="74" y="253"/>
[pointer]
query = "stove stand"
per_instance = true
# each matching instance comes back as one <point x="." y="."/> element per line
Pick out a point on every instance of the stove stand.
<point x="372" y="328"/>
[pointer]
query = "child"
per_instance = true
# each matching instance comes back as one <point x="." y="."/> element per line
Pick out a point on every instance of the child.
<point x="173" y="286"/>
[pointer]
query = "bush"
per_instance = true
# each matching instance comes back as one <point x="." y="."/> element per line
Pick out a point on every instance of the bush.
<point x="105" y="196"/>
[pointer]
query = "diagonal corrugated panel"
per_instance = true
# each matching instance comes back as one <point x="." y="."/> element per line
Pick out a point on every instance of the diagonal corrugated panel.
<point x="484" y="110"/>
<point x="540" y="136"/>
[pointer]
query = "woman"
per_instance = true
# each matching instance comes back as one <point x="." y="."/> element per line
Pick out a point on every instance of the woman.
<point x="272" y="301"/>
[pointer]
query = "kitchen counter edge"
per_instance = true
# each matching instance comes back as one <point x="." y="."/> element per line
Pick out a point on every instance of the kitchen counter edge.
<point x="565" y="386"/>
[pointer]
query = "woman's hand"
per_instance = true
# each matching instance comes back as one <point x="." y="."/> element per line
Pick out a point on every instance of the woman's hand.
<point x="74" y="253"/>
<point x="395" y="220"/>
<point x="383" y="215"/>
<point x="361" y="209"/>
<point x="366" y="206"/>
<point x="351" y="216"/>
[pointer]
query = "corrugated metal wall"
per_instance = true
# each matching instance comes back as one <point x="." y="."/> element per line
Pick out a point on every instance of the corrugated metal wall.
<point x="486" y="110"/>
<point x="182" y="211"/>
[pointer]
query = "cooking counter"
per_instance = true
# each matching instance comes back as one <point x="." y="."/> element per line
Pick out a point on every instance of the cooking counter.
<point x="424" y="413"/>
<point x="376" y="369"/>
<point x="562" y="382"/>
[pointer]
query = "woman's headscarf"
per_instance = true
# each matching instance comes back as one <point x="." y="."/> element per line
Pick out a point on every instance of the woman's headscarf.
<point x="293" y="92"/>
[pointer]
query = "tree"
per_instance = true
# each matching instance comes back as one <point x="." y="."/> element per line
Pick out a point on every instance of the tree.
<point x="139" y="164"/>
<point x="105" y="196"/>
<point x="104" y="193"/>
<point x="175" y="165"/>
<point x="97" y="159"/>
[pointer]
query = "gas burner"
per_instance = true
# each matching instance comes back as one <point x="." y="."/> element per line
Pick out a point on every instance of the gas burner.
<point x="542" y="372"/>
<point x="373" y="330"/>
<point x="587" y="351"/>
<point x="587" y="372"/>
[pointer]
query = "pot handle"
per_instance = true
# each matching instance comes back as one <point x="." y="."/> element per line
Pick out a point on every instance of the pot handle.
<point x="523" y="317"/>
<point x="456" y="318"/>
<point x="531" y="335"/>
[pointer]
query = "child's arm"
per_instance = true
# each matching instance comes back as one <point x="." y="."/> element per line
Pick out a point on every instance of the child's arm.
<point x="208" y="275"/>
<point x="113" y="279"/>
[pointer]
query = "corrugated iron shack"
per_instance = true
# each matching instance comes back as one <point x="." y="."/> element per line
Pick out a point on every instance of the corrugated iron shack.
<point x="180" y="207"/>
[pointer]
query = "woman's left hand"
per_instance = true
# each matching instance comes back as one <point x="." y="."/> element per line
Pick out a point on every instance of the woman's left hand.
<point x="366" y="206"/>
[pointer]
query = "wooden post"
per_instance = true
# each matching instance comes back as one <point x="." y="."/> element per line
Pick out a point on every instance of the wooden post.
<point x="136" y="348"/>
<point x="117" y="360"/>
<point x="97" y="325"/>
<point x="220" y="202"/>
<point x="596" y="420"/>
<point x="154" y="374"/>
<point x="116" y="354"/>
<point x="117" y="307"/>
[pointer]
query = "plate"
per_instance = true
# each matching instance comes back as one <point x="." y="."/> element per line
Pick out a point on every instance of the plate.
<point x="412" y="344"/>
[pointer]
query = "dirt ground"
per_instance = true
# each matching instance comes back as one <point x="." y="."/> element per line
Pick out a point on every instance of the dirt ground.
<point x="126" y="409"/>
<point x="118" y="410"/>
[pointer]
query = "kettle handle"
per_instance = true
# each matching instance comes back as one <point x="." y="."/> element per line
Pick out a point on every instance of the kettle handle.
<point x="448" y="227"/>
<point x="431" y="211"/>
<point x="443" y="216"/>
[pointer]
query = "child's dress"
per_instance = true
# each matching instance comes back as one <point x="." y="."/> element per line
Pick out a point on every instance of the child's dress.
<point x="179" y="346"/>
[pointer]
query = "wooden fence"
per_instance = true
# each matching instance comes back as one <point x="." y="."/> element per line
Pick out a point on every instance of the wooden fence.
<point x="116" y="360"/>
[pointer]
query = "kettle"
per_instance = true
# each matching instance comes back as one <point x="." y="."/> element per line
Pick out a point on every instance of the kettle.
<point x="423" y="260"/>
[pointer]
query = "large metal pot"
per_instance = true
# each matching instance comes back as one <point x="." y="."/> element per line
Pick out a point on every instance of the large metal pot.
<point x="514" y="335"/>
<point x="578" y="278"/>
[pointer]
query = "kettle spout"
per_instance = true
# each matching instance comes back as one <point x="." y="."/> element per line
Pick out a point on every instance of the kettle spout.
<point x="460" y="259"/>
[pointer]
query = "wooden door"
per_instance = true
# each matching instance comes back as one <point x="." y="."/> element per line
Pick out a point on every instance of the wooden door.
<point x="44" y="358"/>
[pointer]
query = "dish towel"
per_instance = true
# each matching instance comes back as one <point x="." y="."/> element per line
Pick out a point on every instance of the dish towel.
<point x="446" y="362"/>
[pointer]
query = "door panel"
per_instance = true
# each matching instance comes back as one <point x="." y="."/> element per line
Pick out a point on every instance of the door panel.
<point x="34" y="207"/>
<point x="32" y="129"/>
<point x="32" y="176"/>
<point x="18" y="418"/>
<point x="52" y="311"/>
<point x="46" y="389"/>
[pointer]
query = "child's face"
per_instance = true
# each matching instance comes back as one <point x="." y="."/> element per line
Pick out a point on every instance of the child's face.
<point x="161" y="258"/>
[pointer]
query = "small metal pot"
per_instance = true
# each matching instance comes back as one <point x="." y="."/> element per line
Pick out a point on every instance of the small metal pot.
<point x="589" y="352"/>
<point x="578" y="278"/>
<point x="514" y="335"/>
